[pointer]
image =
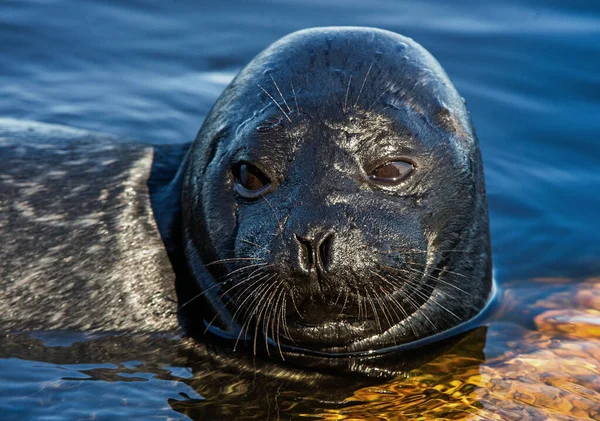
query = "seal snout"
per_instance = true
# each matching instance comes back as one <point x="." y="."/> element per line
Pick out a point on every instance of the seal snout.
<point x="314" y="252"/>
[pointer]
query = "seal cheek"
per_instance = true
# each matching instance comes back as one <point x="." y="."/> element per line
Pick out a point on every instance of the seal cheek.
<point x="221" y="216"/>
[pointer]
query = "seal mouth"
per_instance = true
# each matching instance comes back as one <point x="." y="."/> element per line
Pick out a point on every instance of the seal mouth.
<point x="335" y="322"/>
<point x="322" y="310"/>
<point x="321" y="324"/>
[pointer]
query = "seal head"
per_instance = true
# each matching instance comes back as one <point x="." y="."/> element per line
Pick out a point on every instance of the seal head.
<point x="334" y="198"/>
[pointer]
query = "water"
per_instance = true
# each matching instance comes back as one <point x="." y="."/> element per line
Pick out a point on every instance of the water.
<point x="151" y="71"/>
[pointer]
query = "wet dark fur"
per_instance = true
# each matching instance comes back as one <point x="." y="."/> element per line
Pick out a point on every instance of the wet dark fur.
<point x="312" y="111"/>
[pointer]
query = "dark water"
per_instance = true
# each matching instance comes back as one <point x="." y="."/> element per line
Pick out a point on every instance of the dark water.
<point x="530" y="71"/>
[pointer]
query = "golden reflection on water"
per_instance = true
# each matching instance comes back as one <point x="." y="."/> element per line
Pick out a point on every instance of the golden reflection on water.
<point x="548" y="369"/>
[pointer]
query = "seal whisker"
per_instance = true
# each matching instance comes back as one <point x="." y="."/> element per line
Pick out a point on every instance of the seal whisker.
<point x="337" y="299"/>
<point x="390" y="291"/>
<point x="379" y="97"/>
<point x="346" y="295"/>
<point x="274" y="214"/>
<point x="217" y="284"/>
<point x="415" y="251"/>
<point x="295" y="307"/>
<point x="271" y="313"/>
<point x="250" y="310"/>
<point x="261" y="311"/>
<point x="410" y="270"/>
<point x="399" y="305"/>
<point x="363" y="300"/>
<point x="241" y="293"/>
<point x="392" y="288"/>
<point x="360" y="302"/>
<point x="276" y="103"/>
<point x="280" y="94"/>
<point x="295" y="98"/>
<point x="256" y="244"/>
<point x="200" y="294"/>
<point x="378" y="300"/>
<point x="405" y="314"/>
<point x="231" y="298"/>
<point x="254" y="307"/>
<point x="345" y="109"/>
<point x="445" y="270"/>
<point x="408" y="319"/>
<point x="233" y="272"/>
<point x="275" y="306"/>
<point x="363" y="84"/>
<point x="278" y="317"/>
<point x="266" y="313"/>
<point x="386" y="308"/>
<point x="434" y="300"/>
<point x="375" y="315"/>
<point x="233" y="259"/>
<point x="284" y="318"/>
<point x="358" y="299"/>
<point x="255" y="274"/>
<point x="408" y="298"/>
<point x="437" y="279"/>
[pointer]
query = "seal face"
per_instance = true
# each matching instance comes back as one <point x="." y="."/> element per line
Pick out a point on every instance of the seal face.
<point x="334" y="198"/>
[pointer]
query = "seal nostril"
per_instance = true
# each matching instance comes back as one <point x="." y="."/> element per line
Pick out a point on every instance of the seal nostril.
<point x="306" y="251"/>
<point x="325" y="251"/>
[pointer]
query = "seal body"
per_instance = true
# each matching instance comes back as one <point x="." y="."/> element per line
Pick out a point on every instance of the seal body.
<point x="80" y="245"/>
<point x="334" y="199"/>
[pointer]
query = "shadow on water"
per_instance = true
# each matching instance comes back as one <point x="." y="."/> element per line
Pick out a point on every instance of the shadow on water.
<point x="214" y="382"/>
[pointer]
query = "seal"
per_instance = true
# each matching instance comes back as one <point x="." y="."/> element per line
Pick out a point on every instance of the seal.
<point x="333" y="201"/>
<point x="332" y="204"/>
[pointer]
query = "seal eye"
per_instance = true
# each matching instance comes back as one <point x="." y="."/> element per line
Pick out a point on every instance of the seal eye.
<point x="249" y="180"/>
<point x="392" y="172"/>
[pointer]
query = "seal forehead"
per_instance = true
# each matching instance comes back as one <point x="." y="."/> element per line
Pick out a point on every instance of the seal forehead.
<point x="328" y="70"/>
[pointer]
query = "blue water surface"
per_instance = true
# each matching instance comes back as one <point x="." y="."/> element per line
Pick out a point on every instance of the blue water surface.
<point x="150" y="71"/>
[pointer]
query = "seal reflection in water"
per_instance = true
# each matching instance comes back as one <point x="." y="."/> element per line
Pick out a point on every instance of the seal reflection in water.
<point x="334" y="201"/>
